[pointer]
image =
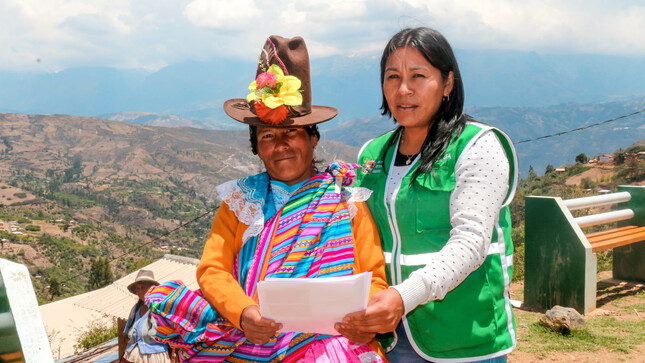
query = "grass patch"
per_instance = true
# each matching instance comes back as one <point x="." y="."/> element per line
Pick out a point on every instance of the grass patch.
<point x="601" y="333"/>
<point x="632" y="307"/>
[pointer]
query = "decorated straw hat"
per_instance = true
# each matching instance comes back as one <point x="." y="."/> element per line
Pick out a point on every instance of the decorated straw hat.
<point x="281" y="92"/>
<point x="144" y="276"/>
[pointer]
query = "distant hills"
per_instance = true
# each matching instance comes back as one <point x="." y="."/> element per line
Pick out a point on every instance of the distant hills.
<point x="524" y="93"/>
<point x="197" y="89"/>
<point x="157" y="119"/>
<point x="528" y="123"/>
<point x="344" y="138"/>
<point x="42" y="144"/>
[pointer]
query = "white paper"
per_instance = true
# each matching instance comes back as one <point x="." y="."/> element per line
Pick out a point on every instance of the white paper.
<point x="313" y="305"/>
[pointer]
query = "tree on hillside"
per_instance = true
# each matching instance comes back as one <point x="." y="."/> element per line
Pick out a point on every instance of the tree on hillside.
<point x="100" y="273"/>
<point x="619" y="157"/>
<point x="54" y="287"/>
<point x="582" y="158"/>
<point x="635" y="170"/>
<point x="532" y="175"/>
<point x="549" y="169"/>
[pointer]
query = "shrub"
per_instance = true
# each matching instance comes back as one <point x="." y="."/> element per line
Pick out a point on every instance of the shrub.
<point x="95" y="334"/>
<point x="32" y="228"/>
<point x="517" y="235"/>
<point x="587" y="183"/>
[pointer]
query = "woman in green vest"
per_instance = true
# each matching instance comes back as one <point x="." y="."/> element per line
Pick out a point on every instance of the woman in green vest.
<point x="441" y="187"/>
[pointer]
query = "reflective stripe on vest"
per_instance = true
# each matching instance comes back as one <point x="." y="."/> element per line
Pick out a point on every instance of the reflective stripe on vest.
<point x="422" y="259"/>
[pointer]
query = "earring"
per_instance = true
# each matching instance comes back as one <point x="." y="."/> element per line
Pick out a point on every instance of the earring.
<point x="446" y="98"/>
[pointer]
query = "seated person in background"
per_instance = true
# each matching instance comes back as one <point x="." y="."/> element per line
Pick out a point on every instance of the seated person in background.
<point x="141" y="327"/>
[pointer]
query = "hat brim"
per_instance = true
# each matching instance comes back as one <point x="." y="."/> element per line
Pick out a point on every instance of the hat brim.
<point x="237" y="110"/>
<point x="131" y="286"/>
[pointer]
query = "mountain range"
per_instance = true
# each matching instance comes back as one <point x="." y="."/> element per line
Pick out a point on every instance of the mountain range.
<point x="197" y="89"/>
<point x="526" y="94"/>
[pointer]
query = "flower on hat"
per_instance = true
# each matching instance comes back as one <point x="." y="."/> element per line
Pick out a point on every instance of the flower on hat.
<point x="272" y="91"/>
<point x="271" y="116"/>
<point x="266" y="79"/>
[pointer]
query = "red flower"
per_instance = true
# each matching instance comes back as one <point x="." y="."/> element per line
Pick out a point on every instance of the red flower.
<point x="272" y="116"/>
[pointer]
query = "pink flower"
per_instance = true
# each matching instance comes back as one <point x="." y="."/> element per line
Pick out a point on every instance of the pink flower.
<point x="266" y="79"/>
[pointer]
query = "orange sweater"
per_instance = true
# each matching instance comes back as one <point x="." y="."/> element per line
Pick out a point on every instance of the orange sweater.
<point x="215" y="270"/>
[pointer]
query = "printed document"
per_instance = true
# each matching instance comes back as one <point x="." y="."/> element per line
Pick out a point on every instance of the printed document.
<point x="313" y="305"/>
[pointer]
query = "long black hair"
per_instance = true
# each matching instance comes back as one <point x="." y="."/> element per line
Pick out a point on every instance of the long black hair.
<point x="449" y="121"/>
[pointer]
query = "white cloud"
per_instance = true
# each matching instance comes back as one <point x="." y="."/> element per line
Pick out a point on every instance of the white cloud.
<point x="223" y="14"/>
<point x="153" y="33"/>
<point x="574" y="26"/>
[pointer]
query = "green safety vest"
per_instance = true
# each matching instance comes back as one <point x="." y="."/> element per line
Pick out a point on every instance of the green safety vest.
<point x="475" y="320"/>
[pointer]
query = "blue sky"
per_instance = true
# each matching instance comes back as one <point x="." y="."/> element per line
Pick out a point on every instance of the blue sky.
<point x="52" y="35"/>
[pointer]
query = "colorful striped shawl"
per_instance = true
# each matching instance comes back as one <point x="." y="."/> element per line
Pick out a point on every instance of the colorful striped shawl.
<point x="310" y="237"/>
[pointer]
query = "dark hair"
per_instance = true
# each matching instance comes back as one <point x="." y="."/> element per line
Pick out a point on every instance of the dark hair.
<point x="449" y="121"/>
<point x="312" y="130"/>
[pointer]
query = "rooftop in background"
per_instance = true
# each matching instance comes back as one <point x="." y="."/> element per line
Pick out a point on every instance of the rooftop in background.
<point x="104" y="353"/>
<point x="66" y="319"/>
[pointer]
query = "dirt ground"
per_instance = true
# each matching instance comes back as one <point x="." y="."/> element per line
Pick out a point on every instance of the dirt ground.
<point x="618" y="291"/>
<point x="603" y="356"/>
<point x="594" y="174"/>
<point x="8" y="197"/>
<point x="30" y="254"/>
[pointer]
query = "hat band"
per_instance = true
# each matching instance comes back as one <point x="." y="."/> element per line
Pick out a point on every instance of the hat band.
<point x="294" y="111"/>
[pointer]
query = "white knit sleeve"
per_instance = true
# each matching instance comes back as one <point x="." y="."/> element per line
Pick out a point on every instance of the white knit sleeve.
<point x="481" y="185"/>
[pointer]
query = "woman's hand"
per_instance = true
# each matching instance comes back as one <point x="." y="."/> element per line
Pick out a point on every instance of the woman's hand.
<point x="382" y="315"/>
<point x="353" y="334"/>
<point x="258" y="330"/>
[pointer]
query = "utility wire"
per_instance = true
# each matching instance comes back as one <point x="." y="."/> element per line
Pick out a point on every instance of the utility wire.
<point x="110" y="260"/>
<point x="164" y="235"/>
<point x="580" y="128"/>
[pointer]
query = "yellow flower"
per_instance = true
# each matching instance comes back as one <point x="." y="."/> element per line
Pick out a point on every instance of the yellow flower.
<point x="287" y="91"/>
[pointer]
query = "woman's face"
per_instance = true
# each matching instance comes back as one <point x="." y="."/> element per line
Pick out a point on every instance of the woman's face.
<point x="414" y="88"/>
<point x="287" y="153"/>
<point x="141" y="288"/>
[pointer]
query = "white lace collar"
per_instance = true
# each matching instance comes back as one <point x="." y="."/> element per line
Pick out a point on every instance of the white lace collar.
<point x="246" y="198"/>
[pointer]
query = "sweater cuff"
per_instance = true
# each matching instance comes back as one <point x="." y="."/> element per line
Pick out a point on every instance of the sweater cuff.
<point x="413" y="292"/>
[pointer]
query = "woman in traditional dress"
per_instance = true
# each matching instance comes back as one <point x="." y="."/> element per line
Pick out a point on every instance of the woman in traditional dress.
<point x="289" y="222"/>
<point x="441" y="184"/>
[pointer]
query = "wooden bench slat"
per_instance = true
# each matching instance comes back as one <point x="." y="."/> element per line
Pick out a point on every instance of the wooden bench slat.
<point x="611" y="231"/>
<point x="619" y="241"/>
<point x="613" y="234"/>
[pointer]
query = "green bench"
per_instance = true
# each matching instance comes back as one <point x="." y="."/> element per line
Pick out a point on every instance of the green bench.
<point x="560" y="260"/>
